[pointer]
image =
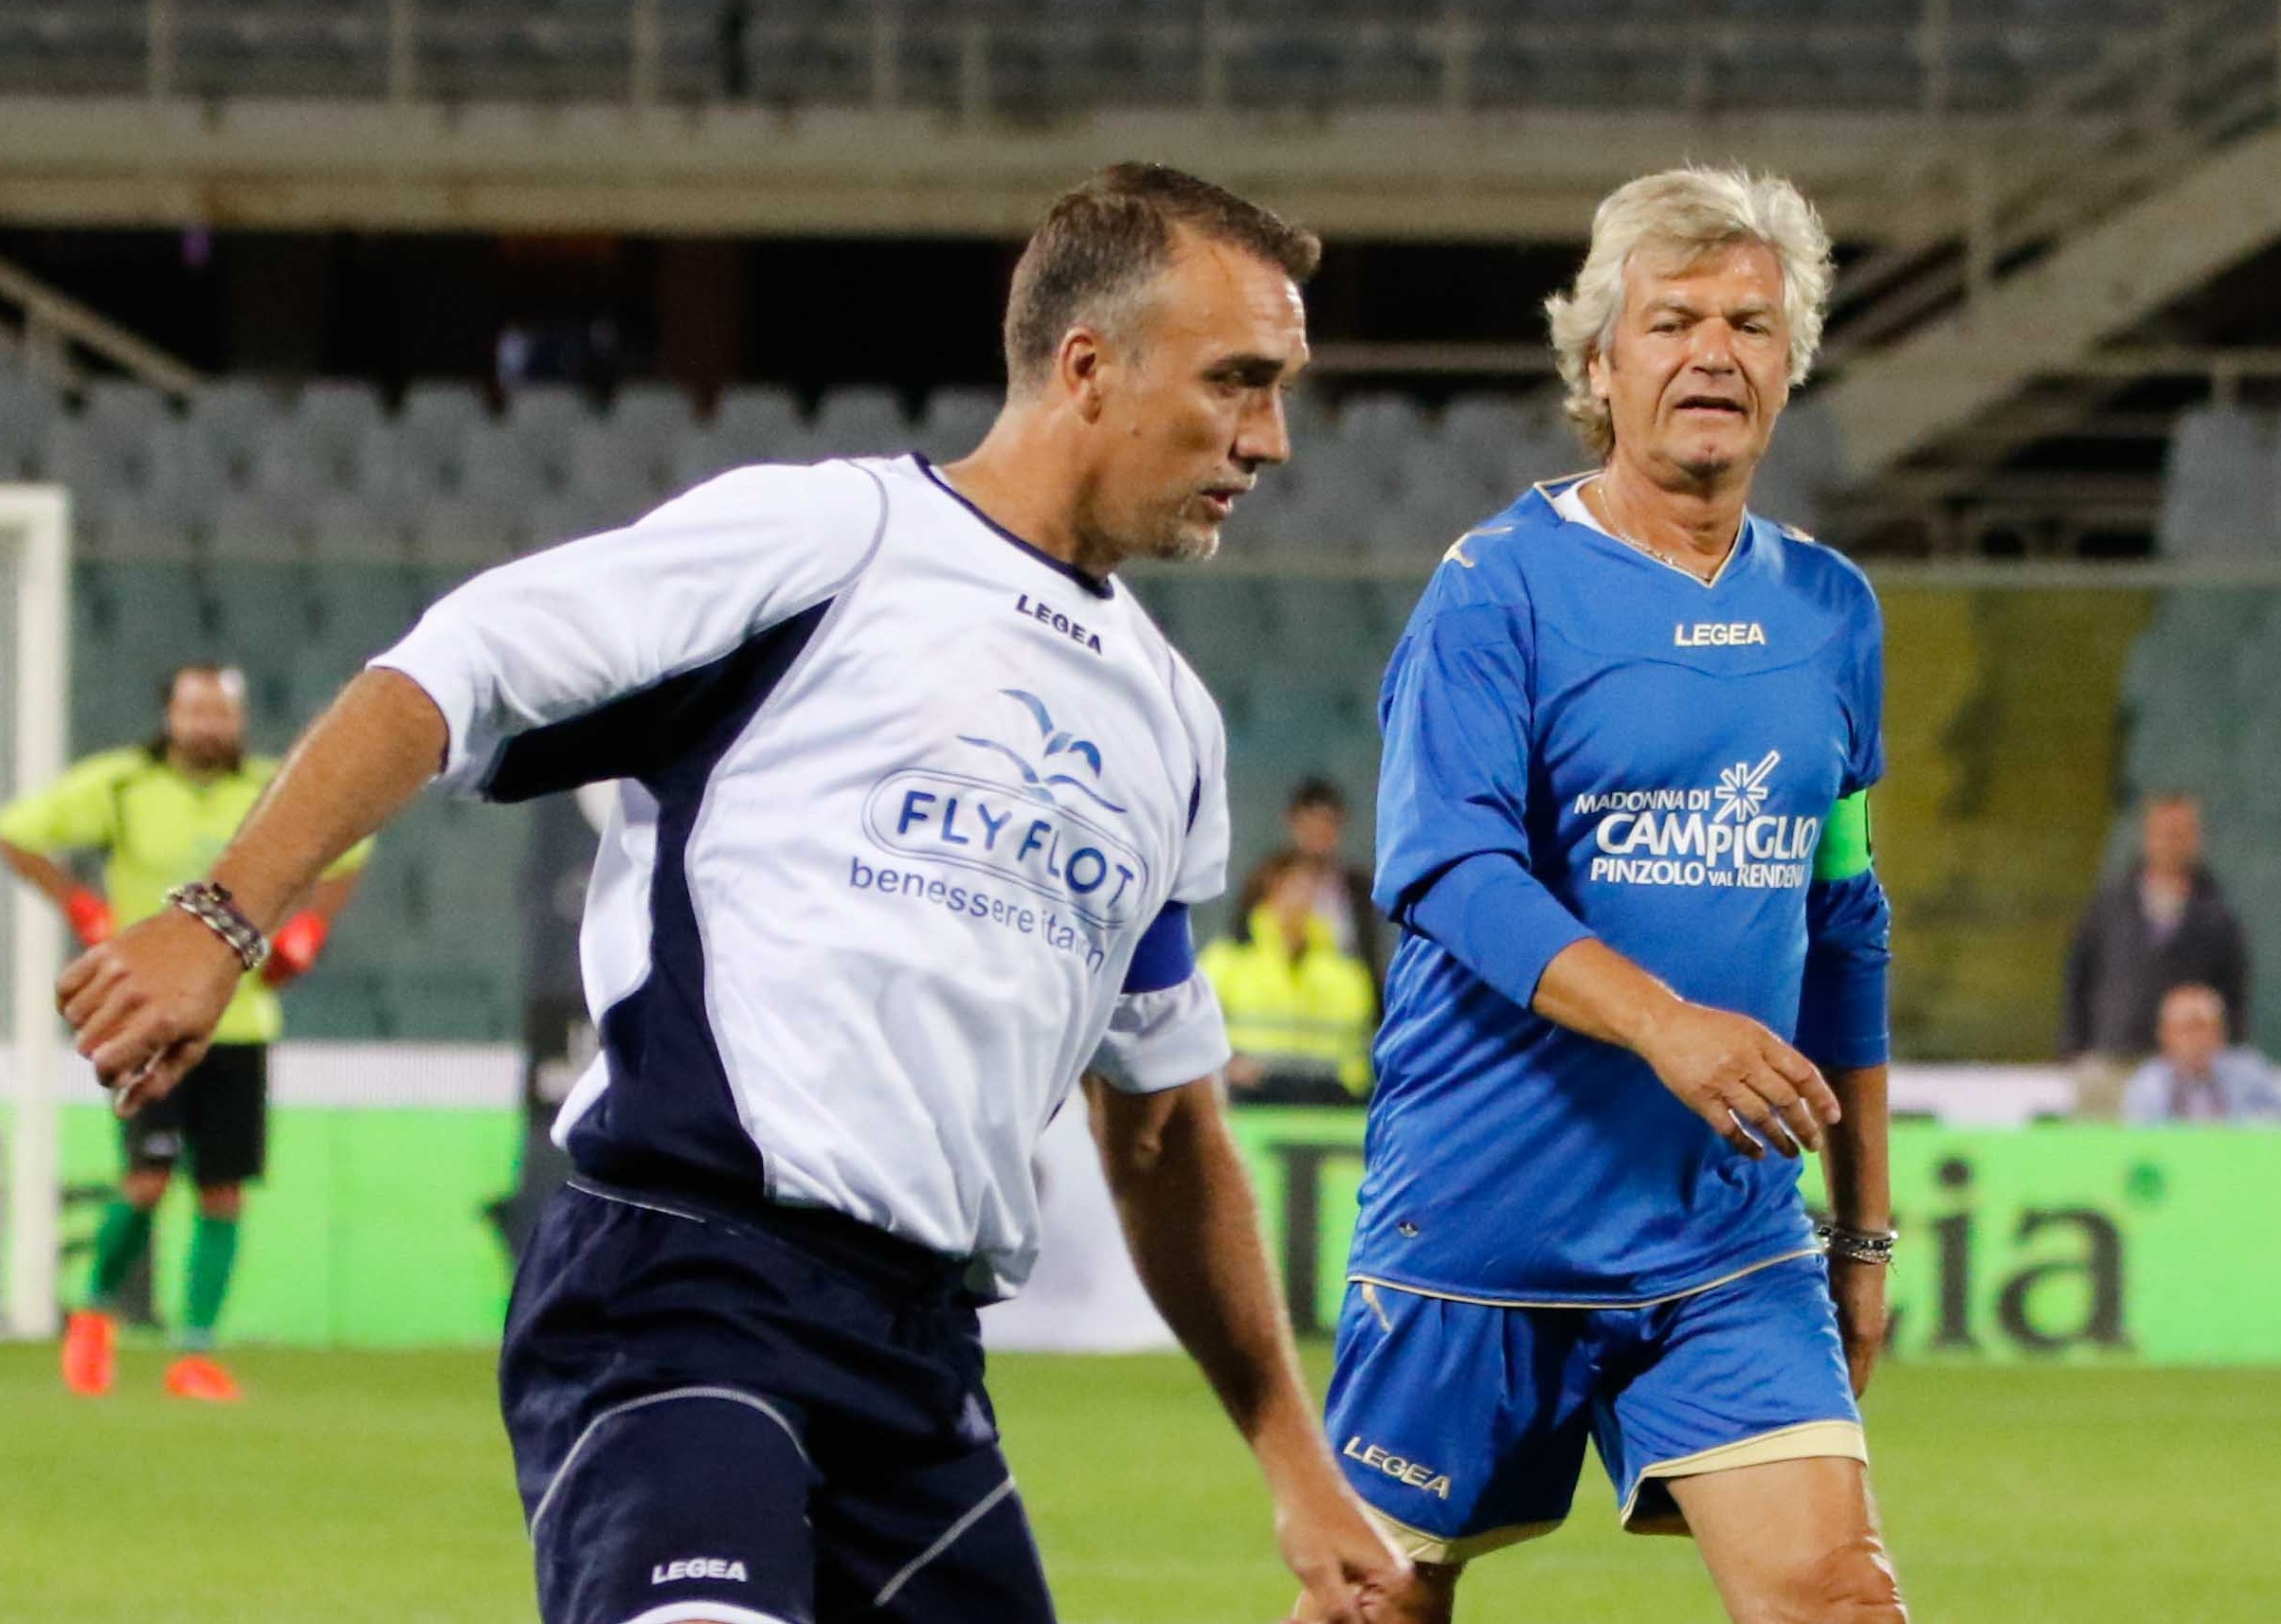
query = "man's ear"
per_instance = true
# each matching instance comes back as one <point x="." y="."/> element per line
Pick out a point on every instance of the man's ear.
<point x="1082" y="367"/>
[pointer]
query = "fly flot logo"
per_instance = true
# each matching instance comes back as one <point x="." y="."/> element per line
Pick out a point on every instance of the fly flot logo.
<point x="1718" y="634"/>
<point x="696" y="1567"/>
<point x="1040" y="822"/>
<point x="1722" y="838"/>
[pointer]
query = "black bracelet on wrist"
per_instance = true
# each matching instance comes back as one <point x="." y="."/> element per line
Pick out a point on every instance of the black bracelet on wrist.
<point x="213" y="906"/>
<point x="1856" y="1245"/>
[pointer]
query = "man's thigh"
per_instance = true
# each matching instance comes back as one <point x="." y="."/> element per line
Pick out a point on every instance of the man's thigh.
<point x="1747" y="1373"/>
<point x="944" y="1542"/>
<point x="1793" y="1541"/>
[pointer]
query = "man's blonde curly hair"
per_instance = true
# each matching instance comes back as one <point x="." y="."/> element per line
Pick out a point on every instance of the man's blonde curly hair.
<point x="1686" y="213"/>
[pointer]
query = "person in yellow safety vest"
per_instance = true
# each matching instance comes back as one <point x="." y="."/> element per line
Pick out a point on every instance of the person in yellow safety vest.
<point x="1300" y="1014"/>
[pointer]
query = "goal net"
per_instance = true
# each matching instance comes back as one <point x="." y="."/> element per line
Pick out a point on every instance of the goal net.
<point x="34" y="650"/>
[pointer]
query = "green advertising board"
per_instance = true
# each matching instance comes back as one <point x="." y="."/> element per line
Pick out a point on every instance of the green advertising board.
<point x="369" y="1231"/>
<point x="2058" y="1242"/>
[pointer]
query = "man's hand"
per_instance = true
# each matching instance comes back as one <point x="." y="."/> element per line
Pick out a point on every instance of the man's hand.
<point x="1859" y="1289"/>
<point x="1345" y="1563"/>
<point x="1752" y="1087"/>
<point x="145" y="1003"/>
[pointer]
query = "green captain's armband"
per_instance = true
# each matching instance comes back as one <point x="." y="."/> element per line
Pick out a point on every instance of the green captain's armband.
<point x="1844" y="848"/>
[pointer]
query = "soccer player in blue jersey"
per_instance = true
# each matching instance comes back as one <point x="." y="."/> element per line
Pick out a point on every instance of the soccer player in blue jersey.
<point x="1628" y="733"/>
<point x="910" y="801"/>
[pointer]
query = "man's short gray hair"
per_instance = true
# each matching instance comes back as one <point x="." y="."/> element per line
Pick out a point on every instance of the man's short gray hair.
<point x="1687" y="213"/>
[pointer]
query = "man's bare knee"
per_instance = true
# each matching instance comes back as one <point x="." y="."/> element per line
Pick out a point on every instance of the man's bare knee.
<point x="1430" y="1598"/>
<point x="1850" y="1583"/>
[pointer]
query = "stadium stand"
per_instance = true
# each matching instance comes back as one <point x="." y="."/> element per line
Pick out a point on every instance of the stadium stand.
<point x="296" y="531"/>
<point x="2202" y="692"/>
<point x="1851" y="54"/>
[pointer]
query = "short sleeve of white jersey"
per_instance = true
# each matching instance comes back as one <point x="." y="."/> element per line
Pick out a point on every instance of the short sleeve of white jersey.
<point x="563" y="632"/>
<point x="1203" y="872"/>
<point x="1158" y="1041"/>
<point x="1174" y="1034"/>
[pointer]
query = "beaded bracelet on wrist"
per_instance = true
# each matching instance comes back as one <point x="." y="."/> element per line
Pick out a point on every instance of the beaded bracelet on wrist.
<point x="213" y="906"/>
<point x="1858" y="1245"/>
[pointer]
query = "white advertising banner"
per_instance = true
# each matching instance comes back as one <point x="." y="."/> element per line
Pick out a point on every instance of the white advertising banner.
<point x="1084" y="1296"/>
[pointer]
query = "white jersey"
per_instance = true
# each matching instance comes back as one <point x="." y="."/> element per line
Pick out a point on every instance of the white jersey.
<point x="909" y="814"/>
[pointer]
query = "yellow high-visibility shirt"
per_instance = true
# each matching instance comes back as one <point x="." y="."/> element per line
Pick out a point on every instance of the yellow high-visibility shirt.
<point x="156" y="828"/>
<point x="1314" y="1012"/>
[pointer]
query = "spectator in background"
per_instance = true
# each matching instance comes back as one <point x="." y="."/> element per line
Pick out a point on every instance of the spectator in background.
<point x="2197" y="1077"/>
<point x="1300" y="1012"/>
<point x="1314" y="824"/>
<point x="2164" y="924"/>
<point x="158" y="813"/>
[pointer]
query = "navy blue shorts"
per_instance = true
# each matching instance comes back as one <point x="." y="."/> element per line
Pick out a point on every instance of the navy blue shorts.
<point x="774" y="1418"/>
<point x="1463" y="1424"/>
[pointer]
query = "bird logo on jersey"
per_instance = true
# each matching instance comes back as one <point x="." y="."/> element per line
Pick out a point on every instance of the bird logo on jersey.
<point x="1040" y="783"/>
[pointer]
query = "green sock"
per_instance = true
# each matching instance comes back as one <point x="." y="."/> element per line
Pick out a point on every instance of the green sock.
<point x="125" y="1231"/>
<point x="213" y="1249"/>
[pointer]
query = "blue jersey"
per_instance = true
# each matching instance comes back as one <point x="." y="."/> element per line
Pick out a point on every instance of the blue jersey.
<point x="1582" y="740"/>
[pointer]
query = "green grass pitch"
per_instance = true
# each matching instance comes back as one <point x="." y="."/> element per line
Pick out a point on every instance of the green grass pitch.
<point x="359" y="1487"/>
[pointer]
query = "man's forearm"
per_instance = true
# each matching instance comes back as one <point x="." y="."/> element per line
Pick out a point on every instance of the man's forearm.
<point x="1193" y="1229"/>
<point x="52" y="880"/>
<point x="1854" y="1154"/>
<point x="358" y="765"/>
<point x="1592" y="989"/>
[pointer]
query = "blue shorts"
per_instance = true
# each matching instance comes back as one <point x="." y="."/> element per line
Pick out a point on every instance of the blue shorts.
<point x="1462" y="1425"/>
<point x="771" y="1417"/>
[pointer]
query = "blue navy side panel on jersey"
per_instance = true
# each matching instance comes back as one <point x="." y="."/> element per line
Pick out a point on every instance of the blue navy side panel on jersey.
<point x="668" y="1120"/>
<point x="1166" y="954"/>
<point x="644" y="735"/>
<point x="1582" y="739"/>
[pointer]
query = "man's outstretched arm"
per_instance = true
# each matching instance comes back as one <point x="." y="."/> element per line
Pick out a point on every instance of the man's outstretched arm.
<point x="145" y="1003"/>
<point x="1194" y="1233"/>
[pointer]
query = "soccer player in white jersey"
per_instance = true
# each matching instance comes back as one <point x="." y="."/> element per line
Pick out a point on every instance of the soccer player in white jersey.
<point x="913" y="801"/>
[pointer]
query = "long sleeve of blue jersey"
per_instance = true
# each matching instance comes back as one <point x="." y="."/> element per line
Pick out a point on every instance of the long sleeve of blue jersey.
<point x="1454" y="856"/>
<point x="1843" y="1016"/>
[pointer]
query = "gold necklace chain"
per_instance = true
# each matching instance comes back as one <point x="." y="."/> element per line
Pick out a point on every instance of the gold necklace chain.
<point x="1609" y="513"/>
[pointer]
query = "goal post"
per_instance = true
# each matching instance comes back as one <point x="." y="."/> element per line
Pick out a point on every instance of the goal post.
<point x="34" y="671"/>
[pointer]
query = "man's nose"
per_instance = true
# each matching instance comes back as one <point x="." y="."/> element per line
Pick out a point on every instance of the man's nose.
<point x="1263" y="434"/>
<point x="1713" y="348"/>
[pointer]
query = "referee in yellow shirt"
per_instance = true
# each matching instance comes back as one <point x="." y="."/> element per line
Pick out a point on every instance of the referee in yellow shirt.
<point x="160" y="814"/>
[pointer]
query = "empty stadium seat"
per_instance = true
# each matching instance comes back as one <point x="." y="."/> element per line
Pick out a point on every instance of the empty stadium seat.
<point x="756" y="422"/>
<point x="467" y="530"/>
<point x="2219" y="486"/>
<point x="859" y="423"/>
<point x="430" y="435"/>
<point x="27" y="408"/>
<point x="254" y="527"/>
<point x="956" y="421"/>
